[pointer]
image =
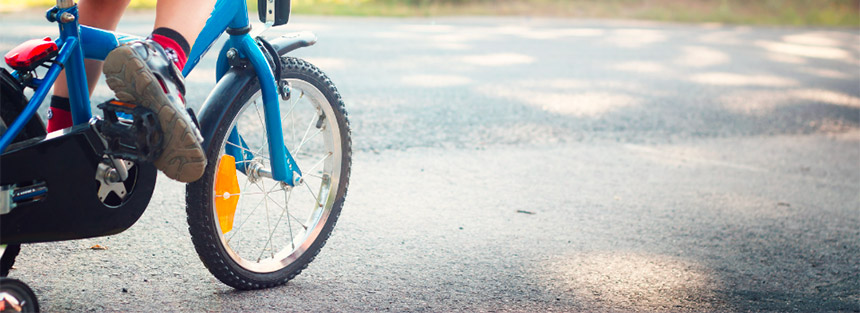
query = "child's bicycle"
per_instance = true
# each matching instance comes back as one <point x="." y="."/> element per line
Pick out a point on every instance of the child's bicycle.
<point x="275" y="131"/>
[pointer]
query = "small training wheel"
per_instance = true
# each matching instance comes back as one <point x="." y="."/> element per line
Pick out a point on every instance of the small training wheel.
<point x="16" y="296"/>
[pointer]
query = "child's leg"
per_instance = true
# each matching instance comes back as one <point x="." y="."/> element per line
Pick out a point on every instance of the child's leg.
<point x="104" y="14"/>
<point x="186" y="17"/>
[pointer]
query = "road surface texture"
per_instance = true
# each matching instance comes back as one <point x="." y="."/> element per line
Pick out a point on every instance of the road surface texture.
<point x="527" y="165"/>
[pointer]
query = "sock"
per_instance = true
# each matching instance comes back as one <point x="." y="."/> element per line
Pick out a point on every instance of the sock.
<point x="174" y="45"/>
<point x="59" y="115"/>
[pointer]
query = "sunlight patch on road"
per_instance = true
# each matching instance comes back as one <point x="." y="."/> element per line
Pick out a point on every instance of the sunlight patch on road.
<point x="549" y="33"/>
<point x="826" y="96"/>
<point x="814" y="39"/>
<point x="640" y="67"/>
<point x="763" y="102"/>
<point x="449" y="46"/>
<point x="498" y="59"/>
<point x="583" y="104"/>
<point x="452" y="40"/>
<point x="637" y="281"/>
<point x="699" y="57"/>
<point x="435" y="81"/>
<point x="785" y="58"/>
<point x="808" y="51"/>
<point x="458" y="37"/>
<point x="427" y="28"/>
<point x="571" y="103"/>
<point x="731" y="79"/>
<point x="393" y="35"/>
<point x="826" y="73"/>
<point x="635" y="37"/>
<point x="730" y="37"/>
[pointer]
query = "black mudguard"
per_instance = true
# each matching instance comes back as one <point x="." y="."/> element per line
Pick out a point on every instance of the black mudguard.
<point x="67" y="165"/>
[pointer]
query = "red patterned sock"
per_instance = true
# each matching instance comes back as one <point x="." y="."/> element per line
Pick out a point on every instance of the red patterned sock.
<point x="174" y="45"/>
<point x="59" y="116"/>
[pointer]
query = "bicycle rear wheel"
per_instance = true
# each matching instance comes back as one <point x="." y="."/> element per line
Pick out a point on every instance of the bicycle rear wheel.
<point x="253" y="232"/>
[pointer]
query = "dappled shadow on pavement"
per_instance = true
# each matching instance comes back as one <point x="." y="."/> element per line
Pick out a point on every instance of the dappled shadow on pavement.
<point x="630" y="81"/>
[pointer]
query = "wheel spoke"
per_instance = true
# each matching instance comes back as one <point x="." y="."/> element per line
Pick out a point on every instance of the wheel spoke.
<point x="268" y="227"/>
<point x="285" y="209"/>
<point x="293" y="122"/>
<point x="242" y="194"/>
<point x="247" y="217"/>
<point x="278" y="223"/>
<point x="307" y="131"/>
<point x="264" y="139"/>
<point x="311" y="175"/>
<point x="290" y="111"/>
<point x="313" y="195"/>
<point x="235" y="230"/>
<point x="245" y="149"/>
<point x="290" y="225"/>
<point x="307" y="171"/>
<point x="299" y="149"/>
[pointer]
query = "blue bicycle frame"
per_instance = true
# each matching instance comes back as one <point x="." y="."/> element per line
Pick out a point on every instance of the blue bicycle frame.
<point x="78" y="42"/>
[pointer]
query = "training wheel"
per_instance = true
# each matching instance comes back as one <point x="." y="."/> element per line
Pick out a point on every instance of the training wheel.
<point x="16" y="296"/>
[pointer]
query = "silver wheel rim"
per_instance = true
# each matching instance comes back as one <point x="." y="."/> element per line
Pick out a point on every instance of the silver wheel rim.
<point x="274" y="224"/>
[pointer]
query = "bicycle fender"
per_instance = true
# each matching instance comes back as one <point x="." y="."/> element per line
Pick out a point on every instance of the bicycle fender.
<point x="225" y="94"/>
<point x="288" y="42"/>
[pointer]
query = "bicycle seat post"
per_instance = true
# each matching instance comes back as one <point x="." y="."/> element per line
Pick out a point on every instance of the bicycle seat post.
<point x="65" y="4"/>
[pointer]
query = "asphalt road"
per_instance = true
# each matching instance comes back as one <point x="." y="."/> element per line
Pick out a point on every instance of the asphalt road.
<point x="524" y="164"/>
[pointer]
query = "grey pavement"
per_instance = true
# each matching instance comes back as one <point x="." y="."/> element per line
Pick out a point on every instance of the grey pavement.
<point x="530" y="164"/>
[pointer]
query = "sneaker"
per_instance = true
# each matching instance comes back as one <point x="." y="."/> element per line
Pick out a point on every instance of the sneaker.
<point x="141" y="72"/>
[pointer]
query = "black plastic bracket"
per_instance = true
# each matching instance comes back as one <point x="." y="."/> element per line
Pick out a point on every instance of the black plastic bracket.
<point x="138" y="140"/>
<point x="239" y="31"/>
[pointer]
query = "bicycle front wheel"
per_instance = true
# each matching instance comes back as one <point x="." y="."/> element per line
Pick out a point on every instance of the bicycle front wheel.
<point x="251" y="231"/>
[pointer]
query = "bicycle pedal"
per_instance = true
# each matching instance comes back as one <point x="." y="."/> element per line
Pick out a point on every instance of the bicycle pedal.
<point x="131" y="132"/>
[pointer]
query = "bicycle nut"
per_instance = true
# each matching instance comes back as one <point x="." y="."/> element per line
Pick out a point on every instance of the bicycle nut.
<point x="112" y="176"/>
<point x="67" y="17"/>
<point x="231" y="54"/>
<point x="285" y="90"/>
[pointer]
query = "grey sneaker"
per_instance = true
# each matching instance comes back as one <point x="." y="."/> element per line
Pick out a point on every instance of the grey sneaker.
<point x="141" y="73"/>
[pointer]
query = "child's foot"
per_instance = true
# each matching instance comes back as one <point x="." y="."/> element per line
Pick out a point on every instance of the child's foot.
<point x="141" y="73"/>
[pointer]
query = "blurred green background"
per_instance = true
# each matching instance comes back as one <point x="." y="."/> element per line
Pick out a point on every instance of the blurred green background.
<point x="771" y="12"/>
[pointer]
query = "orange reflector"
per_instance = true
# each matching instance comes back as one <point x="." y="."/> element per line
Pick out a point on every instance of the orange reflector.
<point x="226" y="192"/>
<point x="127" y="105"/>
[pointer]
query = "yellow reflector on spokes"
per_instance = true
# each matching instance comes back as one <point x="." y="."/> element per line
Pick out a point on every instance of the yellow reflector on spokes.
<point x="226" y="192"/>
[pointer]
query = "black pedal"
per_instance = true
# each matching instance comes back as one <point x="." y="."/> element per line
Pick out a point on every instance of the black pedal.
<point x="138" y="139"/>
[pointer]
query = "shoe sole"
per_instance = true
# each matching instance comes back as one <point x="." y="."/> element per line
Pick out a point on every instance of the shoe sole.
<point x="182" y="158"/>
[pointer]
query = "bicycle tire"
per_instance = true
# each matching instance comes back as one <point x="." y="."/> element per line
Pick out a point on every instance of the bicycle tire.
<point x="214" y="248"/>
<point x="26" y="299"/>
<point x="12" y="102"/>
